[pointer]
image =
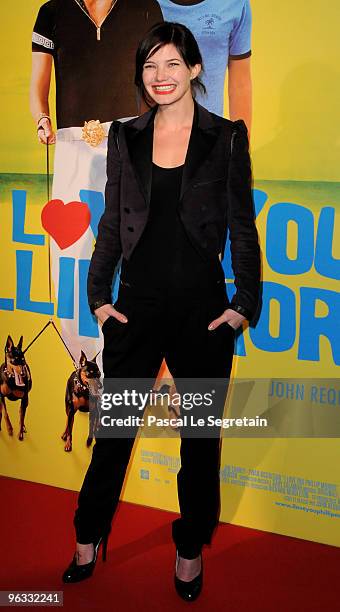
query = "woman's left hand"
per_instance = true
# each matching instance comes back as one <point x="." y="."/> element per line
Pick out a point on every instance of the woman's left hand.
<point x="230" y="316"/>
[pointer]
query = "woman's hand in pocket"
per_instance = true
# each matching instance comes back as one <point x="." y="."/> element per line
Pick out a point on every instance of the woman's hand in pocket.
<point x="108" y="310"/>
<point x="231" y="317"/>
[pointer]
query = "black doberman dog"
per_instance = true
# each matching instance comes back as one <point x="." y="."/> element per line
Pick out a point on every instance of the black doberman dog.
<point x="85" y="379"/>
<point x="15" y="383"/>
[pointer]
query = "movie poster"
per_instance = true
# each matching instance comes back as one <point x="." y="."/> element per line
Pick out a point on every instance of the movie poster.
<point x="279" y="74"/>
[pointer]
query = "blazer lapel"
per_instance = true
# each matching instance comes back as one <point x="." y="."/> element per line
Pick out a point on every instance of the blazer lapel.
<point x="139" y="140"/>
<point x="202" y="139"/>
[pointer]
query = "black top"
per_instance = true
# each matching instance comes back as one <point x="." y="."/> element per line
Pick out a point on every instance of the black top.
<point x="94" y="67"/>
<point x="165" y="257"/>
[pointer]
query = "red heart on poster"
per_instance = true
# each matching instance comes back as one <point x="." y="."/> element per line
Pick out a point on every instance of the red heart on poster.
<point x="65" y="223"/>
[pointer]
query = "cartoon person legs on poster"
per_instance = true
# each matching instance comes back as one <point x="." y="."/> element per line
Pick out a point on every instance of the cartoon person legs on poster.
<point x="89" y="95"/>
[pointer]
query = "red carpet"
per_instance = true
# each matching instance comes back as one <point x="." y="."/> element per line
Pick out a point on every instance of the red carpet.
<point x="245" y="569"/>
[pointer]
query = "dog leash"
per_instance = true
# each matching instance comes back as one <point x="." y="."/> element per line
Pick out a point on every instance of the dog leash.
<point x="48" y="236"/>
<point x="49" y="253"/>
<point x="37" y="336"/>
<point x="50" y="322"/>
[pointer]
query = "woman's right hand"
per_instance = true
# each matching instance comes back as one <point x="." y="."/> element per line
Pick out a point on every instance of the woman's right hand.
<point x="108" y="310"/>
<point x="45" y="132"/>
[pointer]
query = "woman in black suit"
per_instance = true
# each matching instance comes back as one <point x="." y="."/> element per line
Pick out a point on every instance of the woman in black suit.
<point x="178" y="178"/>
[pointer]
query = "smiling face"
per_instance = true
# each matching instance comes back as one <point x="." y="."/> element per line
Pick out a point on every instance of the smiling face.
<point x="166" y="77"/>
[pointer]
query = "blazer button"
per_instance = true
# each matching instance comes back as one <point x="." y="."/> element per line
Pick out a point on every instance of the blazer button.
<point x="203" y="207"/>
<point x="127" y="210"/>
<point x="130" y="228"/>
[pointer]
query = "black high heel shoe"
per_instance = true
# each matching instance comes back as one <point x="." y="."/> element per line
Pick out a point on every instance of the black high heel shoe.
<point x="75" y="572"/>
<point x="189" y="591"/>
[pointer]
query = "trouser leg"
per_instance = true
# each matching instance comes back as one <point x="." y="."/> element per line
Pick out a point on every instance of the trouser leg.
<point x="131" y="350"/>
<point x="195" y="352"/>
<point x="100" y="491"/>
<point x="198" y="486"/>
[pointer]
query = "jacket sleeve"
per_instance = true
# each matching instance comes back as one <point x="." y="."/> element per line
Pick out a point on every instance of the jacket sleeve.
<point x="245" y="250"/>
<point x="108" y="248"/>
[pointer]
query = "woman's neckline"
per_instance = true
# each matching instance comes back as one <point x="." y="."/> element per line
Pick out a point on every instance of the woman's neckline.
<point x="167" y="167"/>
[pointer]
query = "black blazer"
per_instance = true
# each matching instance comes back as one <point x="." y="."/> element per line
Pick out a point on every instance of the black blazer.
<point x="215" y="195"/>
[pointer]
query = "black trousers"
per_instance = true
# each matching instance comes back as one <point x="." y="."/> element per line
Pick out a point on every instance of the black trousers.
<point x="171" y="324"/>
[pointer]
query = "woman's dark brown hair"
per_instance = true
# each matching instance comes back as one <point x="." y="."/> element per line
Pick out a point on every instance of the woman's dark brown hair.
<point x="166" y="33"/>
